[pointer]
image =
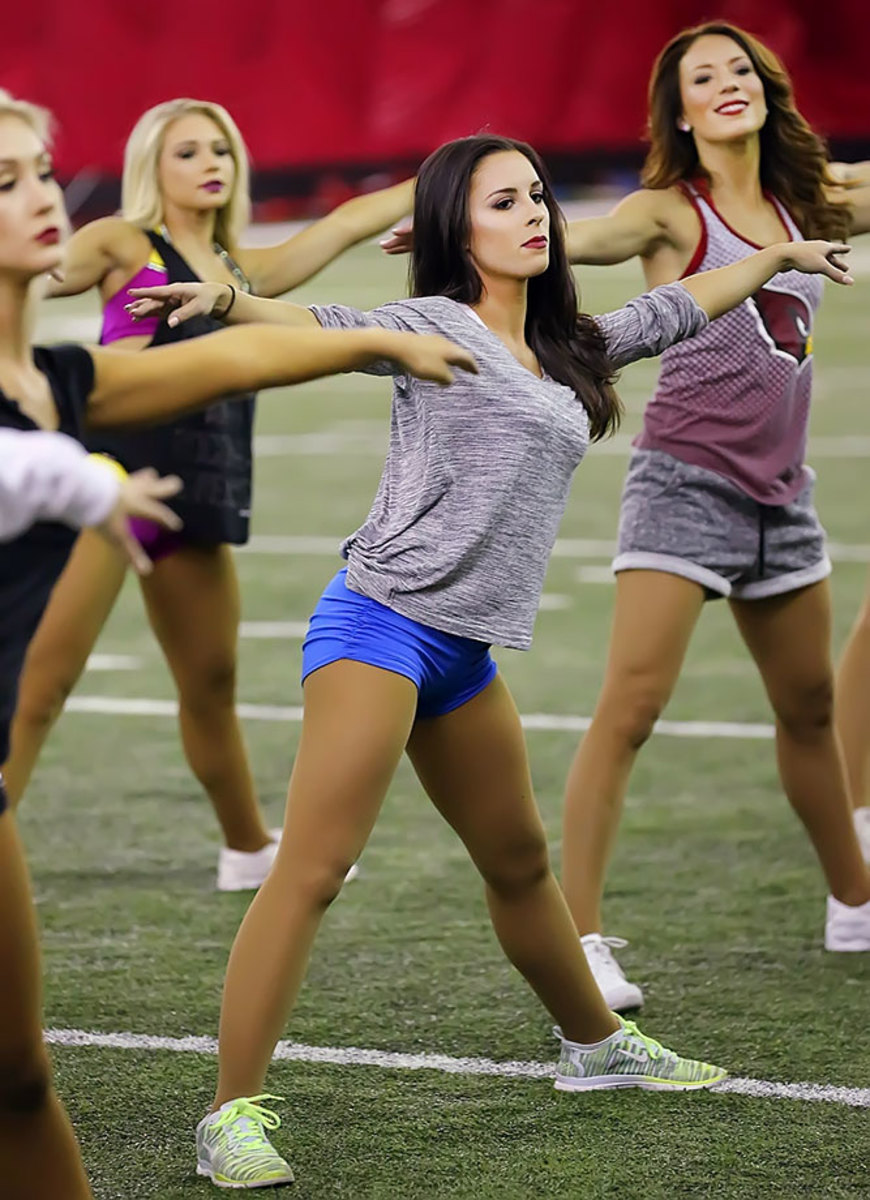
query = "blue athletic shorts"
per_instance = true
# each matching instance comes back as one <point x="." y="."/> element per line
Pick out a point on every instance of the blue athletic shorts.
<point x="447" y="670"/>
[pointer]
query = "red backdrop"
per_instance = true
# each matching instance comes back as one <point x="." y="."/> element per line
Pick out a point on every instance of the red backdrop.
<point x="366" y="81"/>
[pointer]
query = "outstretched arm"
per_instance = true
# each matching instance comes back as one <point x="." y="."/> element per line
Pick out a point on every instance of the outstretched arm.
<point x="635" y="227"/>
<point x="171" y="380"/>
<point x="274" y="270"/>
<point x="668" y="314"/>
<point x="851" y="188"/>
<point x="49" y="477"/>
<point x="92" y="252"/>
<point x="178" y="302"/>
<point x="723" y="289"/>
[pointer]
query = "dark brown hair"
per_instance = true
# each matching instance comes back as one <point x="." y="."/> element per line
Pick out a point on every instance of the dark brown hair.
<point x="569" y="345"/>
<point x="793" y="158"/>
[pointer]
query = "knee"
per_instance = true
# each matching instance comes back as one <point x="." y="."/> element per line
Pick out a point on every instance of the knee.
<point x="25" y="1083"/>
<point x="42" y="695"/>
<point x="517" y="866"/>
<point x="629" y="712"/>
<point x="807" y="710"/>
<point x="210" y="683"/>
<point x="317" y="884"/>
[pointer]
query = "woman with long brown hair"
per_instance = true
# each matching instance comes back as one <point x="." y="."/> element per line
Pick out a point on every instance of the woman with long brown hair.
<point x="185" y="205"/>
<point x="718" y="499"/>
<point x="450" y="560"/>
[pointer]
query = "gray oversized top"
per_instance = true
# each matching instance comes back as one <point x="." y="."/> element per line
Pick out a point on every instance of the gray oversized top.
<point x="477" y="474"/>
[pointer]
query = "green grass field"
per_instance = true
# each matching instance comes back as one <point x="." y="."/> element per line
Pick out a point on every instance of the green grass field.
<point x="713" y="882"/>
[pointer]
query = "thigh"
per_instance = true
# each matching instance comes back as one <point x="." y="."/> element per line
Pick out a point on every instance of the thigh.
<point x="356" y="723"/>
<point x="79" y="606"/>
<point x="789" y="636"/>
<point x="473" y="764"/>
<point x="20" y="993"/>
<point x="654" y="616"/>
<point x="193" y="604"/>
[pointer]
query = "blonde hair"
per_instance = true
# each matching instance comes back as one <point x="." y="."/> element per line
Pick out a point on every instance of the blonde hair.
<point x="141" y="201"/>
<point x="39" y="119"/>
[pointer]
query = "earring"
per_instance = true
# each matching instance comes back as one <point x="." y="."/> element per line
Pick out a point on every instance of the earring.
<point x="684" y="126"/>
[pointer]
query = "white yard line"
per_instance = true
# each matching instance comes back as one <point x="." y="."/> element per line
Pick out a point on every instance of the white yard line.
<point x="267" y="630"/>
<point x="317" y="547"/>
<point x="117" y="706"/>
<point x="353" y="1056"/>
<point x="338" y="441"/>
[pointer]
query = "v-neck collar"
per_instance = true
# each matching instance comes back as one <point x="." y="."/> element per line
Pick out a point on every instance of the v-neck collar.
<point x="542" y="378"/>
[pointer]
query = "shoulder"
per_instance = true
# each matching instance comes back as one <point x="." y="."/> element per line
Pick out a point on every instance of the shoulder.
<point x="431" y="312"/>
<point x="115" y="235"/>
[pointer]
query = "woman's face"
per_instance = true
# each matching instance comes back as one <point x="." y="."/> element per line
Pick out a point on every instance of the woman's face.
<point x="33" y="221"/>
<point x="722" y="96"/>
<point x="509" y="219"/>
<point x="196" y="167"/>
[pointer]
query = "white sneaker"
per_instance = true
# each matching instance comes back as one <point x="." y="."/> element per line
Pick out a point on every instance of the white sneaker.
<point x="245" y="870"/>
<point x="847" y="927"/>
<point x="629" y="1059"/>
<point x="862" y="828"/>
<point x="618" y="993"/>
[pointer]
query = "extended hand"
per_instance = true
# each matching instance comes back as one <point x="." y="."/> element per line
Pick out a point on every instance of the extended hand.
<point x="141" y="495"/>
<point x="428" y="356"/>
<point x="178" y="301"/>
<point x="400" y="241"/>
<point x="819" y="258"/>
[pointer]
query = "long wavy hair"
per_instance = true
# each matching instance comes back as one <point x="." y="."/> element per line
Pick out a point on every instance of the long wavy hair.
<point x="568" y="344"/>
<point x="141" y="201"/>
<point x="793" y="158"/>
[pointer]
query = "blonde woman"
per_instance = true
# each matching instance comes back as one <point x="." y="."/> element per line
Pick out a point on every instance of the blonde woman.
<point x="185" y="202"/>
<point x="68" y="390"/>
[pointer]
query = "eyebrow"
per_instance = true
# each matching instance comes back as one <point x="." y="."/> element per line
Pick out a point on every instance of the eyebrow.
<point x="42" y="157"/>
<point x="709" y="66"/>
<point x="512" y="191"/>
<point x="220" y="140"/>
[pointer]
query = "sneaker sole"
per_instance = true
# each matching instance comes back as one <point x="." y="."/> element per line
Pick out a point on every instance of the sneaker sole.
<point x="207" y="1173"/>
<point x="649" y="1083"/>
<point x="252" y="884"/>
<point x="856" y="947"/>
<point x="620" y="1002"/>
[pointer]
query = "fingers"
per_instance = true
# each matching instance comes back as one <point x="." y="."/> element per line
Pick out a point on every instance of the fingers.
<point x="114" y="529"/>
<point x="142" y="493"/>
<point x="464" y="359"/>
<point x="163" y="291"/>
<point x="193" y="308"/>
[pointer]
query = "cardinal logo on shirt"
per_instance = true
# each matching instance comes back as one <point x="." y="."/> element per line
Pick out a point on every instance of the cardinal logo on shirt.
<point x="785" y="321"/>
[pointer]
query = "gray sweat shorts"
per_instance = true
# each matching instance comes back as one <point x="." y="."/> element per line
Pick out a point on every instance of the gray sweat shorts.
<point x="686" y="520"/>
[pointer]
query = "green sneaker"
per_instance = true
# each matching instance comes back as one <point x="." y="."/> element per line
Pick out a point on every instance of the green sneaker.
<point x="232" y="1148"/>
<point x="629" y="1059"/>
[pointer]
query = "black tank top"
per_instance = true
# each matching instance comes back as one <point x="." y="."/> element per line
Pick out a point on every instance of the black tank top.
<point x="210" y="450"/>
<point x="30" y="564"/>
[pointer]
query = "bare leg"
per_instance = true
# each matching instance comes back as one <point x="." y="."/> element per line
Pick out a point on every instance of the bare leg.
<point x="78" y="609"/>
<point x="852" y="706"/>
<point x="356" y="724"/>
<point x="473" y="764"/>
<point x="39" y="1156"/>
<point x="789" y="637"/>
<point x="192" y="599"/>
<point x="654" y="616"/>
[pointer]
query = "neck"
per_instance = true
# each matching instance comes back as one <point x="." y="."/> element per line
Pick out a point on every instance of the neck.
<point x="18" y="304"/>
<point x="734" y="167"/>
<point x="502" y="307"/>
<point x="190" y="226"/>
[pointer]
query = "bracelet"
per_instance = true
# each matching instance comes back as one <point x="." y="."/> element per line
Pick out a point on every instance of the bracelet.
<point x="223" y="316"/>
